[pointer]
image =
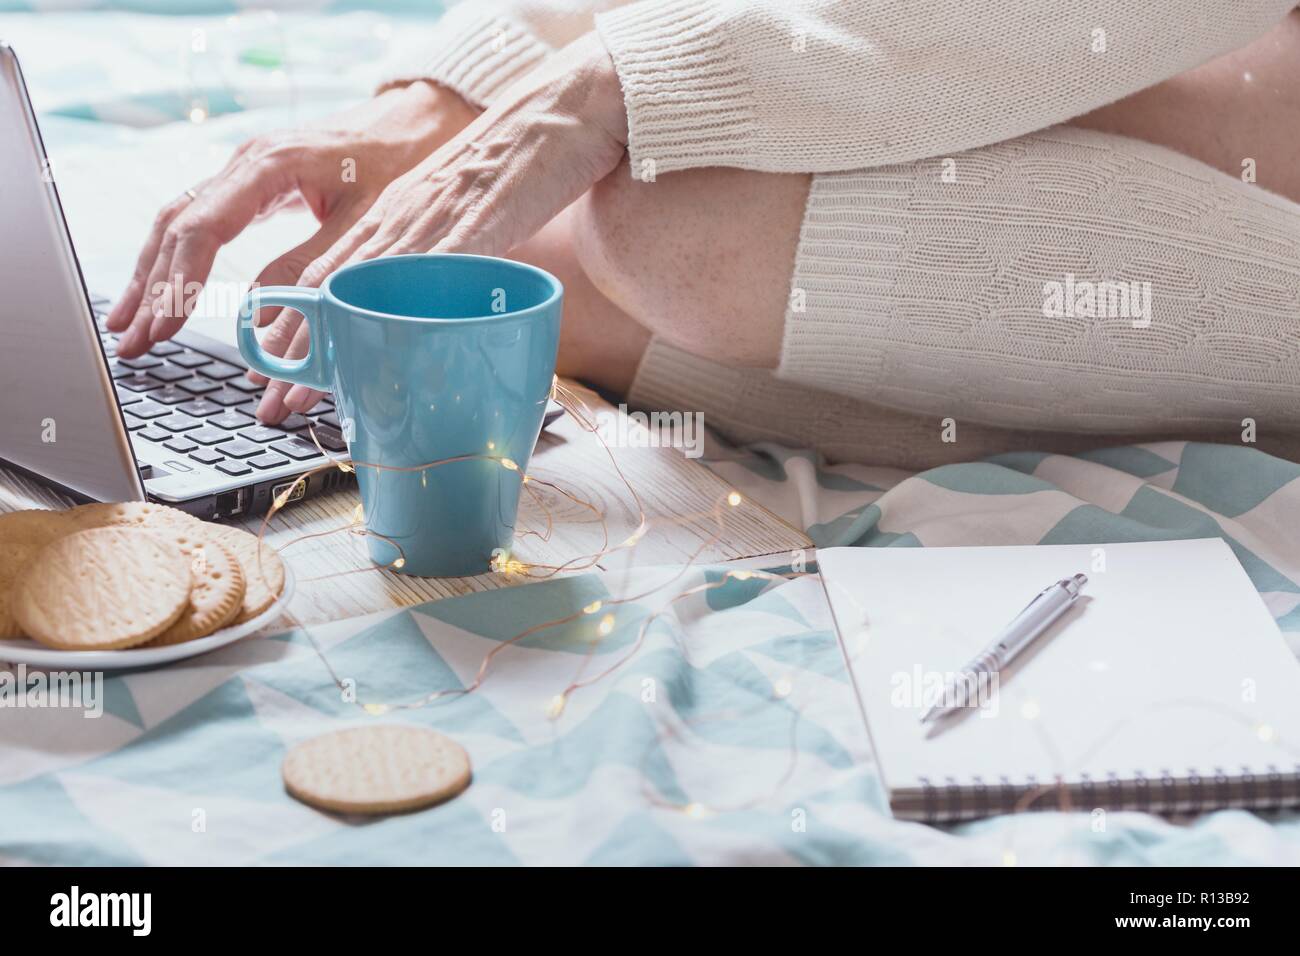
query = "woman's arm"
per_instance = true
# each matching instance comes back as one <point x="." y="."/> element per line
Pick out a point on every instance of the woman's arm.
<point x="482" y="47"/>
<point x="817" y="86"/>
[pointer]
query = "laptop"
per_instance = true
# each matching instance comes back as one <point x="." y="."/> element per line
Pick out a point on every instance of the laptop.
<point x="175" y="425"/>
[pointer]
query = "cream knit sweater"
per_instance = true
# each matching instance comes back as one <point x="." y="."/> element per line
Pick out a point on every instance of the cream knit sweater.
<point x="927" y="256"/>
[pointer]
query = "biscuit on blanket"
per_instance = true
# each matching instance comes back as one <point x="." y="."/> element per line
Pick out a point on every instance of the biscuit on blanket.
<point x="388" y="768"/>
<point x="102" y="589"/>
<point x="216" y="599"/>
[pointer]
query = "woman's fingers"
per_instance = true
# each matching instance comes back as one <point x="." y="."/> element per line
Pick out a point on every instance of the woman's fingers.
<point x="300" y="398"/>
<point x="290" y="269"/>
<point x="121" y="314"/>
<point x="190" y="240"/>
<point x="272" y="409"/>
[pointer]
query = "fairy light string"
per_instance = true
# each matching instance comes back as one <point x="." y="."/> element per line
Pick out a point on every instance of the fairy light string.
<point x="604" y="613"/>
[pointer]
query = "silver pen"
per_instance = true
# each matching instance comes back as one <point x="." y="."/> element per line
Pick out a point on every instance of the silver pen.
<point x="1038" y="615"/>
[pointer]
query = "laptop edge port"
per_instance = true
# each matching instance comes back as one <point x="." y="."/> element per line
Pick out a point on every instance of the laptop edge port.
<point x="299" y="487"/>
<point x="231" y="503"/>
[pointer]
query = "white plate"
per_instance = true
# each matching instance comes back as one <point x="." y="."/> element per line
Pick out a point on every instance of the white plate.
<point x="38" y="655"/>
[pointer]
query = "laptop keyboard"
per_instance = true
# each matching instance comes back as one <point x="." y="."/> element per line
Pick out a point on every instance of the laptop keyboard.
<point x="195" y="405"/>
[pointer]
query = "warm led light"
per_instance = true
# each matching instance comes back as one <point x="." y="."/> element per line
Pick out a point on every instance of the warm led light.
<point x="742" y="575"/>
<point x="555" y="706"/>
<point x="782" y="687"/>
<point x="606" y="625"/>
<point x="593" y="607"/>
<point x="376" y="710"/>
<point x="1008" y="857"/>
<point x="358" y="514"/>
<point x="492" y="446"/>
<point x="696" y="811"/>
<point x="198" y="114"/>
<point x="399" y="563"/>
<point x="509" y="465"/>
<point x="734" y="499"/>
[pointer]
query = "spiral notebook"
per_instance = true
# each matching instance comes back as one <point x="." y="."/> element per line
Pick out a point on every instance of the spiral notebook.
<point x="1167" y="688"/>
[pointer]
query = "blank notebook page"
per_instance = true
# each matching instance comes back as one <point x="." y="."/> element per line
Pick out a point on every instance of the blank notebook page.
<point x="1169" y="670"/>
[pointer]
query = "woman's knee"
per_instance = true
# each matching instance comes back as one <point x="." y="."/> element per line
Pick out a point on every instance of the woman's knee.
<point x="701" y="257"/>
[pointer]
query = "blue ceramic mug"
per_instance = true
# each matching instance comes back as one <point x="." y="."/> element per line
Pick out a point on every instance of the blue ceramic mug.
<point x="429" y="357"/>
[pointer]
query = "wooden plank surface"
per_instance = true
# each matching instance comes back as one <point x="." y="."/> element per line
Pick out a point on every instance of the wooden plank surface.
<point x="681" y="498"/>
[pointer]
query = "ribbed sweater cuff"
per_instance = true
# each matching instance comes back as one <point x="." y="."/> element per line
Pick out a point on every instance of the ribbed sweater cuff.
<point x="689" y="102"/>
<point x="478" y="56"/>
<point x="851" y="245"/>
<point x="672" y="380"/>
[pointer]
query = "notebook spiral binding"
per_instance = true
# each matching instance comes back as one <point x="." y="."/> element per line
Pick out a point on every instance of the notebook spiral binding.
<point x="1193" y="792"/>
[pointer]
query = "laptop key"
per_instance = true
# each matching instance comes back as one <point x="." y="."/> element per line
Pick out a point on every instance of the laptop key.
<point x="135" y="424"/>
<point x="262" y="434"/>
<point x="180" y="444"/>
<point x="226" y="396"/>
<point x="207" y="435"/>
<point x="188" y="359"/>
<point x="176" y="422"/>
<point x="294" y="423"/>
<point x="126" y="397"/>
<point x="147" y="410"/>
<point x="198" y="386"/>
<point x="244" y="385"/>
<point x="231" y="420"/>
<point x="239" y="448"/>
<point x="218" y="370"/>
<point x="234" y="468"/>
<point x="207" y="456"/>
<point x="144" y="361"/>
<point x="168" y="395"/>
<point x="170" y="373"/>
<point x="329" y="419"/>
<point x="268" y="459"/>
<point x="154" y="433"/>
<point x="139" y="382"/>
<point x="330" y="439"/>
<point x="198" y="407"/>
<point x="296" y="448"/>
<point x="165" y="349"/>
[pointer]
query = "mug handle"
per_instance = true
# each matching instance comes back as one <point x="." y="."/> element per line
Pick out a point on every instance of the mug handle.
<point x="313" y="370"/>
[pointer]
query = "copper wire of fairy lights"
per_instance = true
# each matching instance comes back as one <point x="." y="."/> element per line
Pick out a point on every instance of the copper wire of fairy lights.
<point x="602" y="611"/>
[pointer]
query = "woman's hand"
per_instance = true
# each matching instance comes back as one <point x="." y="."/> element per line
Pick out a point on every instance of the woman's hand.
<point x="337" y="168"/>
<point x="538" y="148"/>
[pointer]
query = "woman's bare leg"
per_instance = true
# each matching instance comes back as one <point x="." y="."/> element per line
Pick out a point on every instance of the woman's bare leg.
<point x="702" y="258"/>
<point x="599" y="342"/>
<point x="1241" y="106"/>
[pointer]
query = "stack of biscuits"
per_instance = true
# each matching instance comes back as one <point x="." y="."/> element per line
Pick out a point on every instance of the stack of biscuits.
<point x="111" y="576"/>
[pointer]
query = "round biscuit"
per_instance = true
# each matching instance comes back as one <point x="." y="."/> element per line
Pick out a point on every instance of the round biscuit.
<point x="262" y="582"/>
<point x="102" y="589"/>
<point x="382" y="769"/>
<point x="22" y="534"/>
<point x="145" y="514"/>
<point x="216" y="598"/>
<point x="263" y="569"/>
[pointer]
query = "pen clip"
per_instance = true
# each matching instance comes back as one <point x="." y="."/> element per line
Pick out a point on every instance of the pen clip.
<point x="1035" y="599"/>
